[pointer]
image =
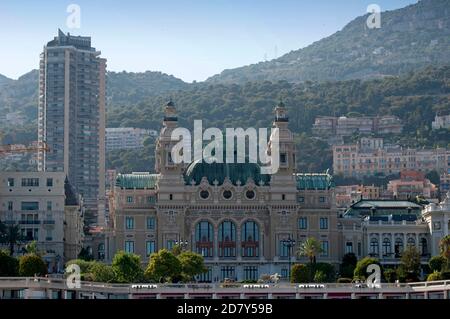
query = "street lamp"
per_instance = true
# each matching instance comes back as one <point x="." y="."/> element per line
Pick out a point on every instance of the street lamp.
<point x="182" y="243"/>
<point x="288" y="243"/>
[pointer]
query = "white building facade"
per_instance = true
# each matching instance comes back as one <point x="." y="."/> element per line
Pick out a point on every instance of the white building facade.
<point x="121" y="138"/>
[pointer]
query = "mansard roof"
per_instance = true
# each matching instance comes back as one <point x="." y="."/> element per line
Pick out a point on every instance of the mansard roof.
<point x="380" y="207"/>
<point x="380" y="203"/>
<point x="314" y="181"/>
<point x="136" y="181"/>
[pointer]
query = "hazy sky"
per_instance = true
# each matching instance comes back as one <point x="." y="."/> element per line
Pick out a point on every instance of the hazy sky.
<point x="190" y="39"/>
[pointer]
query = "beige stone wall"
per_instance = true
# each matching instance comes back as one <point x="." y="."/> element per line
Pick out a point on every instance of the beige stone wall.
<point x="47" y="219"/>
<point x="276" y="219"/>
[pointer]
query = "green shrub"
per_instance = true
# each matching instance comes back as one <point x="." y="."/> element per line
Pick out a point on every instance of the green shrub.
<point x="406" y="276"/>
<point x="328" y="271"/>
<point x="300" y="273"/>
<point x="87" y="277"/>
<point x="32" y="264"/>
<point x="410" y="263"/>
<point x="361" y="267"/>
<point x="436" y="263"/>
<point x="192" y="264"/>
<point x="390" y="275"/>
<point x="101" y="272"/>
<point x="320" y="276"/>
<point x="9" y="266"/>
<point x="434" y="276"/>
<point x="163" y="266"/>
<point x="127" y="267"/>
<point x="83" y="264"/>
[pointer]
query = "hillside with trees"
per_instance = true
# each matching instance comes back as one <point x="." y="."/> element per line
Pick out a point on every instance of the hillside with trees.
<point x="123" y="89"/>
<point x="408" y="39"/>
<point x="415" y="98"/>
<point x="127" y="88"/>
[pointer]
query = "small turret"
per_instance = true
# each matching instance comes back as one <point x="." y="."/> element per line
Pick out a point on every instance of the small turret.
<point x="170" y="112"/>
<point x="280" y="112"/>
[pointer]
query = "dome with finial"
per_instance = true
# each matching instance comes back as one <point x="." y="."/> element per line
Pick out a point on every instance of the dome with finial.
<point x="234" y="172"/>
<point x="280" y="112"/>
<point x="170" y="103"/>
<point x="170" y="112"/>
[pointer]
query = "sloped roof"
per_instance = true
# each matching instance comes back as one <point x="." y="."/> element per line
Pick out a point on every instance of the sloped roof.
<point x="136" y="181"/>
<point x="380" y="207"/>
<point x="70" y="195"/>
<point x="366" y="203"/>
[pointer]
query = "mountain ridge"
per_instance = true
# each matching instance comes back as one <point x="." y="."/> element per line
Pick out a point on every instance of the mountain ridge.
<point x="409" y="39"/>
<point x="124" y="88"/>
<point x="5" y="80"/>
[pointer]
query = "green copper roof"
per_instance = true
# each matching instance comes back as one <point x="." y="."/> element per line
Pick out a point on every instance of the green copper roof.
<point x="314" y="181"/>
<point x="219" y="171"/>
<point x="136" y="180"/>
<point x="370" y="207"/>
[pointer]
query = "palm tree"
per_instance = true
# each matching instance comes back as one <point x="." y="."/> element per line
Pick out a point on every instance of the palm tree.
<point x="310" y="248"/>
<point x="10" y="235"/>
<point x="31" y="248"/>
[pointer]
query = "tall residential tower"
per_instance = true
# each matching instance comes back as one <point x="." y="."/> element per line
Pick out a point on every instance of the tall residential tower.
<point x="72" y="116"/>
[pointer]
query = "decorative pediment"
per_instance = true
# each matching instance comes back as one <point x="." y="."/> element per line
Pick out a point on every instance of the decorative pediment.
<point x="227" y="184"/>
<point x="204" y="184"/>
<point x="250" y="183"/>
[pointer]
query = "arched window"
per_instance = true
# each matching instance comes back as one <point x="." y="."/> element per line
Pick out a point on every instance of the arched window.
<point x="204" y="238"/>
<point x="386" y="247"/>
<point x="227" y="239"/>
<point x="398" y="247"/>
<point x="424" y="247"/>
<point x="411" y="242"/>
<point x="374" y="246"/>
<point x="250" y="239"/>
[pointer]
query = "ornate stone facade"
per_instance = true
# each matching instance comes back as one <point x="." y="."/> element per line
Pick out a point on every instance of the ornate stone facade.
<point x="236" y="217"/>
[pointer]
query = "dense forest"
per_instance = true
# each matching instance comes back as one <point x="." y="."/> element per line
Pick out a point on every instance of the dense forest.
<point x="415" y="97"/>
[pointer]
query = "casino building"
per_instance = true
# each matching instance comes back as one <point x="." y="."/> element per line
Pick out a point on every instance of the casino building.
<point x="238" y="218"/>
